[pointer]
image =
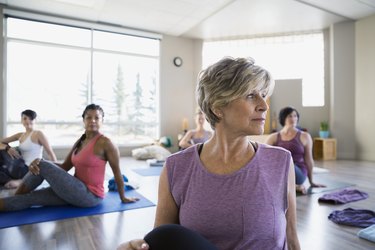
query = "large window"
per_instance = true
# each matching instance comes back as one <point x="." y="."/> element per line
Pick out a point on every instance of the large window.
<point x="286" y="57"/>
<point x="57" y="70"/>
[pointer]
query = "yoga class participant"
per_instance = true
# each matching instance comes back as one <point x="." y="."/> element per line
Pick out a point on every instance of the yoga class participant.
<point x="227" y="193"/>
<point x="14" y="162"/>
<point x="88" y="156"/>
<point x="197" y="135"/>
<point x="299" y="143"/>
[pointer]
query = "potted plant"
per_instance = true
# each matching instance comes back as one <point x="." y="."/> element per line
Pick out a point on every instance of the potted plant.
<point x="324" y="130"/>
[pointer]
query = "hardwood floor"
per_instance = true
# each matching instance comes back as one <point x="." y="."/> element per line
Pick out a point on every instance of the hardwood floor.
<point x="106" y="231"/>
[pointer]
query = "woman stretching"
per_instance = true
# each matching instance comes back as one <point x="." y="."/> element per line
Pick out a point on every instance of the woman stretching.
<point x="89" y="156"/>
<point x="15" y="161"/>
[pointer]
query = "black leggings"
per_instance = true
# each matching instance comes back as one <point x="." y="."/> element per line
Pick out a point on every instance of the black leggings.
<point x="177" y="237"/>
<point x="11" y="168"/>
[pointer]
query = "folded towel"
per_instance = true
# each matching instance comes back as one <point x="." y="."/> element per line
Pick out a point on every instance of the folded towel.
<point x="343" y="196"/>
<point x="112" y="186"/>
<point x="368" y="233"/>
<point x="353" y="217"/>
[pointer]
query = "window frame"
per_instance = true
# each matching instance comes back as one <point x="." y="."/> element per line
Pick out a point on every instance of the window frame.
<point x="92" y="27"/>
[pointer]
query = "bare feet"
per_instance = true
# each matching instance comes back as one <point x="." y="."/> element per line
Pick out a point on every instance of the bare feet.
<point x="13" y="184"/>
<point x="301" y="189"/>
<point x="22" y="189"/>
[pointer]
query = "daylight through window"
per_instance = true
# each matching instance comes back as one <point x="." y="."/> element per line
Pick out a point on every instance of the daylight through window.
<point x="57" y="70"/>
<point x="286" y="57"/>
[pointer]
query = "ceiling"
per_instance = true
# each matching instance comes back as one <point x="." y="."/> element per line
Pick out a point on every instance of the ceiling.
<point x="207" y="19"/>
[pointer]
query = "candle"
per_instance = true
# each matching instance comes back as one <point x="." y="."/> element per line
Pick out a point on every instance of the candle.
<point x="185" y="124"/>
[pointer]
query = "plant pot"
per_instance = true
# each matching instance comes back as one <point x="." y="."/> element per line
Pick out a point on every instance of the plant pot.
<point x="323" y="134"/>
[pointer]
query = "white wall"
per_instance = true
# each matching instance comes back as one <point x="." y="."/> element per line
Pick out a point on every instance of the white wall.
<point x="365" y="88"/>
<point x="342" y="87"/>
<point x="289" y="93"/>
<point x="177" y="84"/>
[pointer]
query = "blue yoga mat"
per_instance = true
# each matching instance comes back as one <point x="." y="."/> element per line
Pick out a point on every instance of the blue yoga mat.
<point x="152" y="171"/>
<point x="111" y="203"/>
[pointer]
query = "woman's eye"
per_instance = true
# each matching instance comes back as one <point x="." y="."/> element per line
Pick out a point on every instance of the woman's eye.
<point x="250" y="96"/>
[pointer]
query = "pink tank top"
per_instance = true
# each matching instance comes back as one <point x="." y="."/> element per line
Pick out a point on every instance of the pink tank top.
<point x="89" y="168"/>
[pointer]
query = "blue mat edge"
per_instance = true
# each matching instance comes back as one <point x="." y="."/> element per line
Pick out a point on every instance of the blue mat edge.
<point x="151" y="171"/>
<point x="110" y="204"/>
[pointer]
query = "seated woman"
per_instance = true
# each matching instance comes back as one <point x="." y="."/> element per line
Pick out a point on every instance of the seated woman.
<point x="299" y="143"/>
<point x="15" y="161"/>
<point x="227" y="193"/>
<point x="197" y="135"/>
<point x="89" y="156"/>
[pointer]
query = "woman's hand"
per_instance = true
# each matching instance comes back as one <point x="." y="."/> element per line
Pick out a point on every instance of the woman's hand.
<point x="134" y="245"/>
<point x="13" y="153"/>
<point x="34" y="166"/>
<point x="129" y="200"/>
<point x="317" y="185"/>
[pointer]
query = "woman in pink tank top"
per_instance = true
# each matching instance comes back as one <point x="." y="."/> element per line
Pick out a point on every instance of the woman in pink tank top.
<point x="88" y="156"/>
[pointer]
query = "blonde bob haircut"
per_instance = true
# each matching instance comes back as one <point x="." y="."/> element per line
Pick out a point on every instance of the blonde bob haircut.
<point x="228" y="80"/>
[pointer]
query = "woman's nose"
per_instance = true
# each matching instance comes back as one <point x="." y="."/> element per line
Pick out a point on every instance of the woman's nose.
<point x="262" y="104"/>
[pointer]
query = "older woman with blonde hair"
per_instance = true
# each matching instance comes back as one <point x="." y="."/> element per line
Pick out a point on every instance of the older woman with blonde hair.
<point x="227" y="193"/>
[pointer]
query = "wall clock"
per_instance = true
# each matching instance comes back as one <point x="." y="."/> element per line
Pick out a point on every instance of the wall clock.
<point x="177" y="61"/>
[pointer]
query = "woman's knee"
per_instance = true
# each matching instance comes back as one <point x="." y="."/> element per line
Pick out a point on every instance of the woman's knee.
<point x="45" y="163"/>
<point x="173" y="236"/>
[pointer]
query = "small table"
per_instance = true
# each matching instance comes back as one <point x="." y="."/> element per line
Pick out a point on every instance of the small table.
<point x="324" y="148"/>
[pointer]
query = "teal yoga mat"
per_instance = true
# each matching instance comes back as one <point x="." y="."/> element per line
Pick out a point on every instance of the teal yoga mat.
<point x="111" y="203"/>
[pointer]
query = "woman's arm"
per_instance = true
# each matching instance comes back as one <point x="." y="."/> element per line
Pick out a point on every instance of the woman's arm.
<point x="112" y="155"/>
<point x="166" y="213"/>
<point x="166" y="210"/>
<point x="67" y="163"/>
<point x="291" y="214"/>
<point x="42" y="140"/>
<point x="308" y="144"/>
<point x="271" y="139"/>
<point x="185" y="142"/>
<point x="11" y="151"/>
<point x="9" y="139"/>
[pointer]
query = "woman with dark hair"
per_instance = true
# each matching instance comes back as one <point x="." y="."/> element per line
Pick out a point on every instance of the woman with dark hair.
<point x="15" y="160"/>
<point x="299" y="143"/>
<point x="88" y="156"/>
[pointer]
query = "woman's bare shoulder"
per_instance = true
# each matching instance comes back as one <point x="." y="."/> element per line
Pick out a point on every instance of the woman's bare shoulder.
<point x="271" y="138"/>
<point x="305" y="134"/>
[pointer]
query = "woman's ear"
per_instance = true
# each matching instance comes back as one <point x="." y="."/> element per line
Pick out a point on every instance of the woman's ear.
<point x="218" y="112"/>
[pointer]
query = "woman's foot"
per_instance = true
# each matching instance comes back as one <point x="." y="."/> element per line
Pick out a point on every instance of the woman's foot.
<point x="13" y="184"/>
<point x="301" y="189"/>
<point x="22" y="189"/>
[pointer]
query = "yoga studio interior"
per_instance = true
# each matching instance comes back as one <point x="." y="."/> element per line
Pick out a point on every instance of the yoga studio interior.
<point x="139" y="60"/>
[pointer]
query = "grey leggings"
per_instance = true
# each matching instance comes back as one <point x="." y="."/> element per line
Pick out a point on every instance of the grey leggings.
<point x="64" y="189"/>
